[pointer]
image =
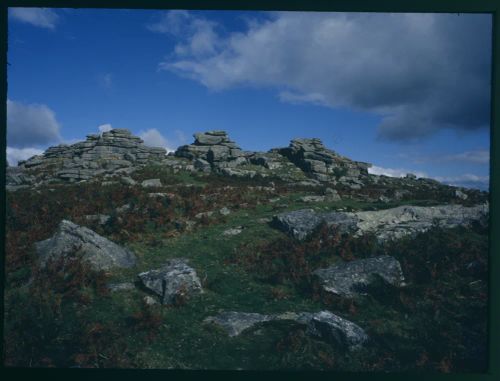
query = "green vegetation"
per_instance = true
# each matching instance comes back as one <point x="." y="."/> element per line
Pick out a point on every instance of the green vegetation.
<point x="65" y="316"/>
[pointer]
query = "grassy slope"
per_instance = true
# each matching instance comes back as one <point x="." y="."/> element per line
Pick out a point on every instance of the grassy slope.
<point x="438" y="323"/>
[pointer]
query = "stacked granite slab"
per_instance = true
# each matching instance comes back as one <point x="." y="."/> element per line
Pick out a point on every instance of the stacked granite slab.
<point x="213" y="150"/>
<point x="107" y="153"/>
<point x="323" y="164"/>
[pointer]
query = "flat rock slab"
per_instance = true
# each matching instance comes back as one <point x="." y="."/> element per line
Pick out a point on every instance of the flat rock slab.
<point x="348" y="279"/>
<point x="175" y="279"/>
<point x="235" y="323"/>
<point x="71" y="240"/>
<point x="387" y="224"/>
<point x="324" y="325"/>
<point x="151" y="183"/>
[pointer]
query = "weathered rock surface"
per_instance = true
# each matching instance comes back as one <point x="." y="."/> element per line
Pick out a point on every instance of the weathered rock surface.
<point x="387" y="224"/>
<point x="107" y="153"/>
<point x="324" y="325"/>
<point x="348" y="279"/>
<point x="173" y="280"/>
<point x="300" y="223"/>
<point x="235" y="323"/>
<point x="71" y="240"/>
<point x="323" y="164"/>
<point x="212" y="149"/>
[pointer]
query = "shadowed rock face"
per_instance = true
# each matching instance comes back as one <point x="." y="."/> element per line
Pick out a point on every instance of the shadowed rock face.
<point x="350" y="278"/>
<point x="175" y="279"/>
<point x="324" y="325"/>
<point x="387" y="224"/>
<point x="71" y="240"/>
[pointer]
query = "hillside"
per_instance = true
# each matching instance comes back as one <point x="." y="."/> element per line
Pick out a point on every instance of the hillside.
<point x="212" y="257"/>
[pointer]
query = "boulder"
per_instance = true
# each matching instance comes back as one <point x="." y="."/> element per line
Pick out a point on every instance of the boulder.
<point x="151" y="183"/>
<point x="348" y="279"/>
<point x="174" y="279"/>
<point x="386" y="224"/>
<point x="71" y="240"/>
<point x="324" y="325"/>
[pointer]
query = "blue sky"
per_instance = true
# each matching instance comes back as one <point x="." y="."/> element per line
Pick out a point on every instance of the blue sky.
<point x="406" y="92"/>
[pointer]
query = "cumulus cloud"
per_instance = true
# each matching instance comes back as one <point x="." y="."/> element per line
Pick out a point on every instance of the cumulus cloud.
<point x="14" y="155"/>
<point x="154" y="138"/>
<point x="105" y="128"/>
<point x="30" y="125"/>
<point x="40" y="17"/>
<point x="394" y="172"/>
<point x="419" y="72"/>
<point x="466" y="180"/>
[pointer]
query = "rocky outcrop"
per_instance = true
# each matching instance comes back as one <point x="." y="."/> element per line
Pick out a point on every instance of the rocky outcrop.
<point x="212" y="150"/>
<point x="115" y="151"/>
<point x="351" y="278"/>
<point x="324" y="325"/>
<point x="323" y="164"/>
<point x="172" y="281"/>
<point x="72" y="241"/>
<point x="387" y="224"/>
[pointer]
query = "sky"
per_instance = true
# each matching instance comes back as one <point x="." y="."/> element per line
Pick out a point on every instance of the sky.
<point x="409" y="93"/>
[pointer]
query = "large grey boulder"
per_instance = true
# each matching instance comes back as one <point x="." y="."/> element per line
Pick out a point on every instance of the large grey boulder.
<point x="300" y="223"/>
<point x="174" y="279"/>
<point x="71" y="240"/>
<point x="386" y="224"/>
<point x="348" y="279"/>
<point x="324" y="325"/>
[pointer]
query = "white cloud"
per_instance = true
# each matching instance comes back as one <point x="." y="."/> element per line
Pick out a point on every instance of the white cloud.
<point x="466" y="180"/>
<point x="154" y="138"/>
<point x="41" y="17"/>
<point x="14" y="155"/>
<point x="419" y="72"/>
<point x="394" y="172"/>
<point x="29" y="125"/>
<point x="105" y="128"/>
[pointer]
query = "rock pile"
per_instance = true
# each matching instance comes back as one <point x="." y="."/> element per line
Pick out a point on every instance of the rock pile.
<point x="387" y="224"/>
<point x="115" y="150"/>
<point x="213" y="150"/>
<point x="72" y="241"/>
<point x="323" y="164"/>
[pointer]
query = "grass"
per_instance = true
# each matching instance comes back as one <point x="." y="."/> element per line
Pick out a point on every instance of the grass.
<point x="437" y="323"/>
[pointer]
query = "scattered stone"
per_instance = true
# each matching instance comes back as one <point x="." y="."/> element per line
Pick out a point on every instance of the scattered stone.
<point x="332" y="195"/>
<point x="233" y="231"/>
<point x="149" y="300"/>
<point x="151" y="183"/>
<point x="128" y="180"/>
<point x="312" y="198"/>
<point x="175" y="279"/>
<point x="158" y="195"/>
<point x="348" y="279"/>
<point x="204" y="214"/>
<point x="461" y="195"/>
<point x="123" y="208"/>
<point x="264" y="220"/>
<point x="124" y="286"/>
<point x="224" y="211"/>
<point x="71" y="240"/>
<point x="102" y="219"/>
